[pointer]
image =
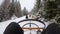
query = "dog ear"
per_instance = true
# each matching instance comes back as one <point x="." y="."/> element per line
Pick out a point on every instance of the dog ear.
<point x="13" y="28"/>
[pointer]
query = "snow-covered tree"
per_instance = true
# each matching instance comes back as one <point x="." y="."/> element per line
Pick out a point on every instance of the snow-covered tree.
<point x="49" y="9"/>
<point x="25" y="11"/>
<point x="8" y="8"/>
<point x="18" y="11"/>
<point x="36" y="7"/>
<point x="52" y="9"/>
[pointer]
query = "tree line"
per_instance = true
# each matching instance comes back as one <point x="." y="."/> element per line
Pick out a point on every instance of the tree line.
<point x="8" y="9"/>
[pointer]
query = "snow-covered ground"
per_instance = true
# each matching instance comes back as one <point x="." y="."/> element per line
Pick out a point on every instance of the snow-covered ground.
<point x="4" y="24"/>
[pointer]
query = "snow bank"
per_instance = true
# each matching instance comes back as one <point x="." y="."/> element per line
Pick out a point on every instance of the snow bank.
<point x="4" y="24"/>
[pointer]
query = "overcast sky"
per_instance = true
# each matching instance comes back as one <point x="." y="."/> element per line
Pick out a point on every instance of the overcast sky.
<point x="1" y="1"/>
<point x="25" y="3"/>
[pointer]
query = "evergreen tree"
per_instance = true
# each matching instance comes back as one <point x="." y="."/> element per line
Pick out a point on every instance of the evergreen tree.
<point x="52" y="9"/>
<point x="7" y="11"/>
<point x="18" y="11"/>
<point x="36" y="7"/>
<point x="25" y="12"/>
<point x="15" y="9"/>
<point x="1" y="14"/>
<point x="11" y="9"/>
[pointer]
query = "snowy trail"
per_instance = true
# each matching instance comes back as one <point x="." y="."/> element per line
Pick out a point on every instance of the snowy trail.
<point x="4" y="24"/>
